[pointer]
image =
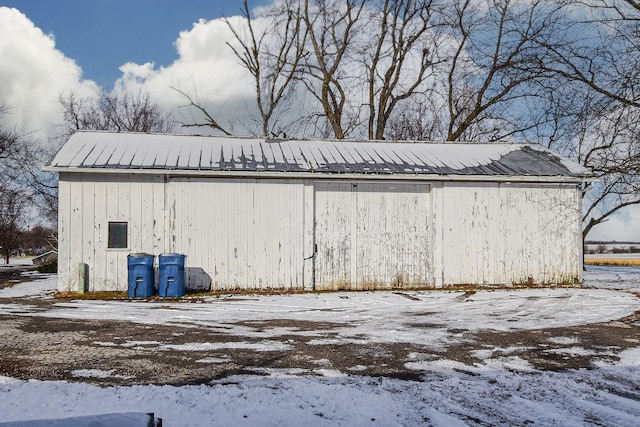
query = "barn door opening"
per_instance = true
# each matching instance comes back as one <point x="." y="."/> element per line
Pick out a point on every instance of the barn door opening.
<point x="372" y="235"/>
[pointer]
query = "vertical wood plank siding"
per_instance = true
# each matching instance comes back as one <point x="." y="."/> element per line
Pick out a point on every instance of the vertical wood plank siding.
<point x="245" y="234"/>
<point x="87" y="203"/>
<point x="372" y="235"/>
<point x="501" y="233"/>
<point x="261" y="233"/>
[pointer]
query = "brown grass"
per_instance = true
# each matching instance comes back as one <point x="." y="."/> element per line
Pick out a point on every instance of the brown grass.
<point x="92" y="295"/>
<point x="618" y="262"/>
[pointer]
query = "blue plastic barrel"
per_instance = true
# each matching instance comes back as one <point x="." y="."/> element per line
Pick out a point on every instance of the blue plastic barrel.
<point x="141" y="276"/>
<point x="171" y="281"/>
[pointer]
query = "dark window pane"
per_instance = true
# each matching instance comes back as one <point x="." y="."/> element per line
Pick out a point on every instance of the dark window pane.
<point x="117" y="235"/>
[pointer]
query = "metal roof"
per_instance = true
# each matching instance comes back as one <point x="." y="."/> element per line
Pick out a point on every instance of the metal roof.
<point x="134" y="152"/>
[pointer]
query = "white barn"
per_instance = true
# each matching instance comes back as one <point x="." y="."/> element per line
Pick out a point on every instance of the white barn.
<point x="317" y="215"/>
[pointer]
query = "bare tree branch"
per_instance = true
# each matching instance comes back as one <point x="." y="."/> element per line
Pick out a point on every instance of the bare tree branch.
<point x="127" y="112"/>
<point x="211" y="122"/>
<point x="272" y="58"/>
<point x="330" y="27"/>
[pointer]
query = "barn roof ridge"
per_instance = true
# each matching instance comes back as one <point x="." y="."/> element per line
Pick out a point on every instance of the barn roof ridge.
<point x="276" y="140"/>
<point x="134" y="152"/>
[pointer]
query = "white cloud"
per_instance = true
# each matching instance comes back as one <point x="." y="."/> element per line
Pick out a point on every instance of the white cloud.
<point x="33" y="73"/>
<point x="132" y="71"/>
<point x="623" y="226"/>
<point x="206" y="70"/>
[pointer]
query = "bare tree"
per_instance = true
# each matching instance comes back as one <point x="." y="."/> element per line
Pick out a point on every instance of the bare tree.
<point x="494" y="67"/>
<point x="331" y="27"/>
<point x="402" y="56"/>
<point x="127" y="112"/>
<point x="38" y="239"/>
<point x="21" y="157"/>
<point x="14" y="206"/>
<point x="418" y="120"/>
<point x="9" y="138"/>
<point x="609" y="145"/>
<point x="271" y="54"/>
<point x="605" y="58"/>
<point x="600" y="124"/>
<point x="13" y="198"/>
<point x="42" y="186"/>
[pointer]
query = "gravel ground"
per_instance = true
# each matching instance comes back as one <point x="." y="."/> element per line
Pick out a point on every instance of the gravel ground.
<point x="106" y="352"/>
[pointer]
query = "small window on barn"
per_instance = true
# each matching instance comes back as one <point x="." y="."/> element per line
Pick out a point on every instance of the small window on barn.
<point x="118" y="235"/>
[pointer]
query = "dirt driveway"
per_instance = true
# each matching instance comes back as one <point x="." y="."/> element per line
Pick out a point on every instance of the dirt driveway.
<point x="108" y="352"/>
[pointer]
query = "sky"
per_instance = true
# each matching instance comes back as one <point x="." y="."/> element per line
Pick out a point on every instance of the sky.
<point x="54" y="48"/>
<point x="102" y="35"/>
<point x="498" y="388"/>
<point x="49" y="49"/>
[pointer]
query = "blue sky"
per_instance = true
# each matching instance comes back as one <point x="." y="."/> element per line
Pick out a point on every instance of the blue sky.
<point x="101" y="35"/>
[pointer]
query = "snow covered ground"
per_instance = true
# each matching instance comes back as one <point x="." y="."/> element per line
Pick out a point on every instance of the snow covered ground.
<point x="502" y="390"/>
<point x="16" y="261"/>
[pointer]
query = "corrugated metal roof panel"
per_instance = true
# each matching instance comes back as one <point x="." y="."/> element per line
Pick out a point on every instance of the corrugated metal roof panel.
<point x="104" y="150"/>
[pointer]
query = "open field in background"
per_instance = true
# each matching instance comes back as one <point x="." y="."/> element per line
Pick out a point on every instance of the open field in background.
<point x="621" y="260"/>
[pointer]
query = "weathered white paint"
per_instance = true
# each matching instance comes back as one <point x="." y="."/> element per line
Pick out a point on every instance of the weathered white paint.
<point x="496" y="233"/>
<point x="372" y="235"/>
<point x="86" y="205"/>
<point x="239" y="234"/>
<point x="309" y="246"/>
<point x="262" y="233"/>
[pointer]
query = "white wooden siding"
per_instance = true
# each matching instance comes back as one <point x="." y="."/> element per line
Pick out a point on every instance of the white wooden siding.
<point x="245" y="233"/>
<point x="260" y="233"/>
<point x="65" y="281"/>
<point x="510" y="233"/>
<point x="87" y="203"/>
<point x="334" y="234"/>
<point x="372" y="235"/>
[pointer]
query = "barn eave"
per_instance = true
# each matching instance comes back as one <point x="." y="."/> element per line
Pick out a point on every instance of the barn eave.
<point x="272" y="174"/>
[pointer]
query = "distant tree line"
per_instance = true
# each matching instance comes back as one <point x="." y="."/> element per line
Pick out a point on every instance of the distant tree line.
<point x="603" y="249"/>
<point x="25" y="195"/>
<point x="115" y="112"/>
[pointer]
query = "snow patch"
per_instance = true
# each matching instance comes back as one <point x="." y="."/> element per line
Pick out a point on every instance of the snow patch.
<point x="43" y="288"/>
<point x="630" y="357"/>
<point x="572" y="351"/>
<point x="564" y="340"/>
<point x="95" y="373"/>
<point x="501" y="390"/>
<point x="510" y="363"/>
<point x="8" y="380"/>
<point x="105" y="344"/>
<point x="259" y="346"/>
<point x="488" y="353"/>
<point x="214" y="360"/>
